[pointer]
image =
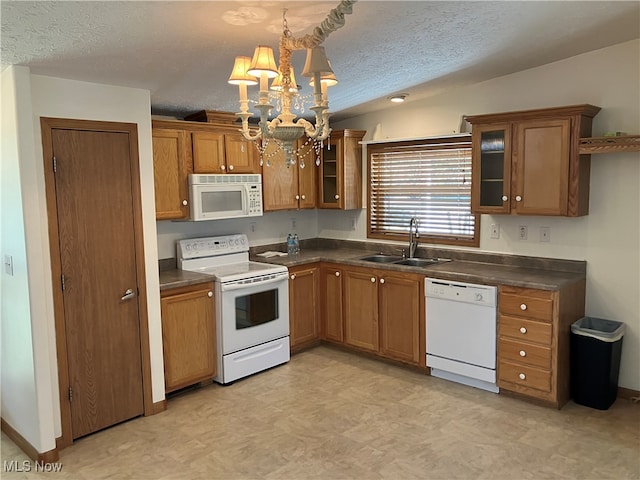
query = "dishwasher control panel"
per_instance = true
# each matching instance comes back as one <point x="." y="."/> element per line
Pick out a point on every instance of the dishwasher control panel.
<point x="461" y="292"/>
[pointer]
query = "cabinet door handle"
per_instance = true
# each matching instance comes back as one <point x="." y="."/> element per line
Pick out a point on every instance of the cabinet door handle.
<point x="209" y="294"/>
<point x="373" y="279"/>
<point x="185" y="203"/>
<point x="231" y="167"/>
<point x="523" y="330"/>
<point x="504" y="198"/>
<point x="304" y="197"/>
<point x="518" y="198"/>
<point x="293" y="276"/>
<point x="523" y="353"/>
<point x="382" y="280"/>
<point x="337" y="274"/>
<point x="336" y="196"/>
<point x="523" y="306"/>
<point x="522" y="376"/>
<point x="297" y="197"/>
<point x="223" y="167"/>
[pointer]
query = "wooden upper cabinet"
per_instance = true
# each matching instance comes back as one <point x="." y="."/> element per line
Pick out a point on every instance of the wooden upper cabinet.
<point x="340" y="176"/>
<point x="529" y="163"/>
<point x="208" y="152"/>
<point x="289" y="188"/>
<point x="241" y="155"/>
<point x="171" y="167"/>
<point x="218" y="152"/>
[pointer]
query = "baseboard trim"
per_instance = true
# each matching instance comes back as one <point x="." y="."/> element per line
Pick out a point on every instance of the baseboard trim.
<point x="628" y="393"/>
<point x="31" y="452"/>
<point x="157" y="407"/>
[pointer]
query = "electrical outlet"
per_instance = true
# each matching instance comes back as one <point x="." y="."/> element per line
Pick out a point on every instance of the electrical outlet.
<point x="253" y="226"/>
<point x="522" y="232"/>
<point x="495" y="230"/>
<point x="293" y="223"/>
<point x="354" y="223"/>
<point x="545" y="234"/>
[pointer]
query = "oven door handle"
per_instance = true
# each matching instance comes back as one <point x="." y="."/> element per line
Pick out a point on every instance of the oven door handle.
<point x="226" y="287"/>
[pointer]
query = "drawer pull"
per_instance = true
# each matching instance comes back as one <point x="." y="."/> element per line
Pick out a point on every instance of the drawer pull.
<point x="523" y="306"/>
<point x="293" y="276"/>
<point x="523" y="353"/>
<point x="522" y="376"/>
<point x="523" y="330"/>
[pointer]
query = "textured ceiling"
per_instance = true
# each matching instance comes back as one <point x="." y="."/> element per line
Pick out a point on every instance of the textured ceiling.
<point x="183" y="51"/>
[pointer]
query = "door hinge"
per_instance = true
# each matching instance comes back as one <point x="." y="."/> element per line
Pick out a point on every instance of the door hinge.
<point x="55" y="165"/>
<point x="70" y="394"/>
<point x="62" y="282"/>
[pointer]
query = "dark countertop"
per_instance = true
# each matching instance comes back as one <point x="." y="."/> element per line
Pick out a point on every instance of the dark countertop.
<point x="175" y="278"/>
<point x="458" y="270"/>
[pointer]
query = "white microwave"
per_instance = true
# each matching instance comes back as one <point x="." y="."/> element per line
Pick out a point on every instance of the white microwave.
<point x="214" y="197"/>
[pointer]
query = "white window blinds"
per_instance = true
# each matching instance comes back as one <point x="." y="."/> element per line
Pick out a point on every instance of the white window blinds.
<point x="429" y="180"/>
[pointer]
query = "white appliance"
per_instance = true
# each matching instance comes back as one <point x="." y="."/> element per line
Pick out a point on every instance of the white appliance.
<point x="461" y="332"/>
<point x="251" y="304"/>
<point x="214" y="197"/>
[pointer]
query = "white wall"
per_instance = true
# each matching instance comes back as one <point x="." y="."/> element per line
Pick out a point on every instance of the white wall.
<point x="26" y="374"/>
<point x="272" y="227"/>
<point x="54" y="97"/>
<point x="609" y="237"/>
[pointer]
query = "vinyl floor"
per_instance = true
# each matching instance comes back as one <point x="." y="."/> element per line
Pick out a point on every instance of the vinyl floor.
<point x="330" y="414"/>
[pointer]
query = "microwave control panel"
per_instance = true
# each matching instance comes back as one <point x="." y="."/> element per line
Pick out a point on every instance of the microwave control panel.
<point x="255" y="199"/>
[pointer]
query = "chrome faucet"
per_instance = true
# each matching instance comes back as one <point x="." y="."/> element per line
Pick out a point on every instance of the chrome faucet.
<point x="413" y="236"/>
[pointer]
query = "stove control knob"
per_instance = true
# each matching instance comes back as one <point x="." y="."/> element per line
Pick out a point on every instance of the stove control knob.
<point x="478" y="297"/>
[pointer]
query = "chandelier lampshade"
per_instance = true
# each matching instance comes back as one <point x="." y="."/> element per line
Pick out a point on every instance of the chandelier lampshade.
<point x="263" y="62"/>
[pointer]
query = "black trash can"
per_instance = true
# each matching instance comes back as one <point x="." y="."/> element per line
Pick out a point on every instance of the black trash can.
<point x="596" y="346"/>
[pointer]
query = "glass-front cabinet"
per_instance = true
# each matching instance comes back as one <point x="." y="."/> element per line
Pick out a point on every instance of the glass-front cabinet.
<point x="340" y="176"/>
<point x="491" y="168"/>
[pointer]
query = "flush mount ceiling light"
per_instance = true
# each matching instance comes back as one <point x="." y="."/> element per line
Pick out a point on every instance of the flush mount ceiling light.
<point x="284" y="129"/>
<point x="398" y="98"/>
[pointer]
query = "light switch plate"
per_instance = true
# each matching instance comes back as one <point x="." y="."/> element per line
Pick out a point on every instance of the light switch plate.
<point x="8" y="265"/>
<point x="495" y="230"/>
<point x="545" y="234"/>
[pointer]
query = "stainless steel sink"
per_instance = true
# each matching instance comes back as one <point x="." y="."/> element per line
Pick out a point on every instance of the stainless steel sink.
<point x="418" y="262"/>
<point x="381" y="258"/>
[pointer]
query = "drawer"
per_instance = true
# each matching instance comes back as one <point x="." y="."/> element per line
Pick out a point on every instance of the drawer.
<point x="523" y="375"/>
<point x="522" y="329"/>
<point x="522" y="352"/>
<point x="538" y="307"/>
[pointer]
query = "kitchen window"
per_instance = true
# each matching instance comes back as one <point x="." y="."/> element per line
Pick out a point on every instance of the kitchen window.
<point x="428" y="179"/>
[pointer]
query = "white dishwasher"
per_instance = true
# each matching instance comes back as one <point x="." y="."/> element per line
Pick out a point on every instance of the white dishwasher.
<point x="461" y="332"/>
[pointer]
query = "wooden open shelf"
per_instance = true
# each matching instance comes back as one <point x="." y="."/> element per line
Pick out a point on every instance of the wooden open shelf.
<point x="624" y="143"/>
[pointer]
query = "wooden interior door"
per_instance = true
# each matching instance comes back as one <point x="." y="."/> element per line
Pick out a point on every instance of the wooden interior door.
<point x="94" y="200"/>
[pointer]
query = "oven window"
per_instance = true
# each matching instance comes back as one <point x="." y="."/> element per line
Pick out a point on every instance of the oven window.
<point x="256" y="309"/>
<point x="223" y="201"/>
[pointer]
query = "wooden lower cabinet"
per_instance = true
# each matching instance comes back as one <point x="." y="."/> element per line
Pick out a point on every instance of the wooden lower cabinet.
<point x="534" y="329"/>
<point x="304" y="305"/>
<point x="331" y="280"/>
<point x="188" y="335"/>
<point x="383" y="313"/>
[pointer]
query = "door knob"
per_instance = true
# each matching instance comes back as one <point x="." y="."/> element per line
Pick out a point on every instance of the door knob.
<point x="129" y="293"/>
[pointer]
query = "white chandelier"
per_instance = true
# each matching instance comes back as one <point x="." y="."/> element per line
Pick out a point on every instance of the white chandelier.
<point x="284" y="128"/>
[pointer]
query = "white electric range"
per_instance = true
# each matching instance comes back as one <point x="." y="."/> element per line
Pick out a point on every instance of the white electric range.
<point x="251" y="304"/>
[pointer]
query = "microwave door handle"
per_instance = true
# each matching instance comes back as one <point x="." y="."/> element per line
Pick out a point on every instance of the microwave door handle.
<point x="226" y="287"/>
